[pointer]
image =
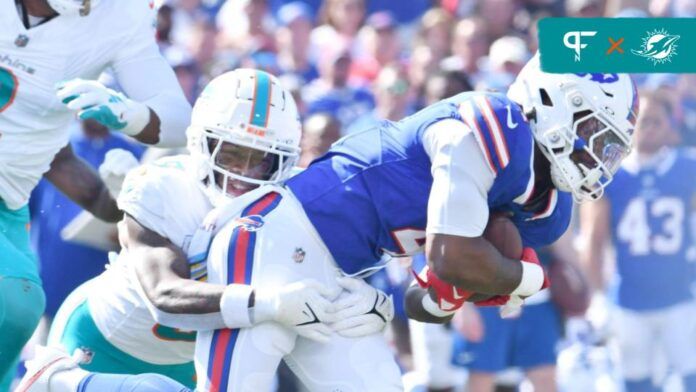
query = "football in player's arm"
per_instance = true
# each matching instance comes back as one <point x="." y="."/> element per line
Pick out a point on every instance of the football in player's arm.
<point x="461" y="263"/>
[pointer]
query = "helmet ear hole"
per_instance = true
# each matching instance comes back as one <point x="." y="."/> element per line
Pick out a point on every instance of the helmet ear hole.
<point x="545" y="98"/>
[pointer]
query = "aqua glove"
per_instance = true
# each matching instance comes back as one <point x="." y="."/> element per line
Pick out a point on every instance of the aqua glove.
<point x="92" y="100"/>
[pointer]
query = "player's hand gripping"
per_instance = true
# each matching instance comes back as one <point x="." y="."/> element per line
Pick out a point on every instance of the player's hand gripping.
<point x="534" y="279"/>
<point x="361" y="309"/>
<point x="301" y="306"/>
<point x="448" y="297"/>
<point x="117" y="163"/>
<point x="92" y="100"/>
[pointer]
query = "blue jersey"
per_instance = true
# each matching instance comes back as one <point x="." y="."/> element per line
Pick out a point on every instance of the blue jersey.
<point x="369" y="194"/>
<point x="650" y="221"/>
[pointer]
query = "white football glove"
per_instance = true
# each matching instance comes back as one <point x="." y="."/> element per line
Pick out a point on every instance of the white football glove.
<point x="361" y="310"/>
<point x="512" y="308"/>
<point x="117" y="163"/>
<point x="92" y="100"/>
<point x="301" y="306"/>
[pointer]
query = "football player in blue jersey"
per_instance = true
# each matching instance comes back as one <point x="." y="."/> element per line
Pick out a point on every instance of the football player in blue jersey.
<point x="427" y="182"/>
<point x="646" y="215"/>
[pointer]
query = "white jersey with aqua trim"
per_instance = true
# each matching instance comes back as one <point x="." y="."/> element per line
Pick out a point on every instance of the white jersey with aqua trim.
<point x="33" y="122"/>
<point x="163" y="197"/>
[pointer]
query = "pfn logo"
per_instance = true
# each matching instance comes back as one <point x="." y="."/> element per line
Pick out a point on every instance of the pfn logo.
<point x="573" y="40"/>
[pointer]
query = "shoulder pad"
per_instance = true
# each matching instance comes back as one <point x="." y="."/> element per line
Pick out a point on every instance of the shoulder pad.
<point x="496" y="122"/>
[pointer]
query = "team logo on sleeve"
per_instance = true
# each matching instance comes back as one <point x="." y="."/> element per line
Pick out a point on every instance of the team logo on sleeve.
<point x="251" y="222"/>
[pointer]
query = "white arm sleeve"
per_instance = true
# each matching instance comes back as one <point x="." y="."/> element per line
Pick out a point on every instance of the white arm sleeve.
<point x="458" y="202"/>
<point x="146" y="77"/>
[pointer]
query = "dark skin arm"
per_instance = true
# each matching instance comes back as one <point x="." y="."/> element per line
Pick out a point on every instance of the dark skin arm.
<point x="77" y="180"/>
<point x="413" y="304"/>
<point x="472" y="264"/>
<point x="163" y="272"/>
<point x="150" y="134"/>
<point x="595" y="229"/>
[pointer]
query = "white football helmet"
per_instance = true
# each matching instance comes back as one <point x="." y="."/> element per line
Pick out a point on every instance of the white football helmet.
<point x="586" y="367"/>
<point x="249" y="109"/>
<point x="72" y="7"/>
<point x="582" y="123"/>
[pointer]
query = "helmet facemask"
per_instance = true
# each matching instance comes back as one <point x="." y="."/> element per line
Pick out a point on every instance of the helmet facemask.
<point x="237" y="164"/>
<point x="583" y="124"/>
<point x="588" y="156"/>
<point x="245" y="132"/>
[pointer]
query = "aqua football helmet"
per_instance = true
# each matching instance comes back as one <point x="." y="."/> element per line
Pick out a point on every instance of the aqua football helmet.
<point x="245" y="132"/>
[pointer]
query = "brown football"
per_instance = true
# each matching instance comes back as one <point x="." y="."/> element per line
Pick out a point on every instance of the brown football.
<point x="569" y="288"/>
<point x="505" y="237"/>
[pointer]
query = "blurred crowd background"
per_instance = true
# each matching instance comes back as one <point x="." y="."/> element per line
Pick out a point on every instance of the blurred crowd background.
<point x="349" y="64"/>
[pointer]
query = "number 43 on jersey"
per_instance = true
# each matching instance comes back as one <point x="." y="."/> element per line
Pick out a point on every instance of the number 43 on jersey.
<point x="654" y="226"/>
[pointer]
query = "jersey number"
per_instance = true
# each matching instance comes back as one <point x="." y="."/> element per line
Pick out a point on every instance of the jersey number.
<point x="8" y="88"/>
<point x="409" y="241"/>
<point x="634" y="228"/>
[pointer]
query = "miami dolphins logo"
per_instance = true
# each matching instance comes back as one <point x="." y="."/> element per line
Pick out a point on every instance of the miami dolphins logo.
<point x="659" y="46"/>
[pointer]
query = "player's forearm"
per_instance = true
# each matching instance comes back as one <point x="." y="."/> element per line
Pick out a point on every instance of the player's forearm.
<point x="163" y="273"/>
<point x="472" y="264"/>
<point x="172" y="299"/>
<point x="185" y="296"/>
<point x="76" y="179"/>
<point x="591" y="261"/>
<point x="594" y="235"/>
<point x="198" y="306"/>
<point x="101" y="204"/>
<point x="187" y="305"/>
<point x="151" y="133"/>
<point x="170" y="114"/>
<point x="161" y="92"/>
<point x="413" y="305"/>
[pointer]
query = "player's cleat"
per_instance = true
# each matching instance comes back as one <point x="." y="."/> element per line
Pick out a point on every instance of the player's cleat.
<point x="47" y="362"/>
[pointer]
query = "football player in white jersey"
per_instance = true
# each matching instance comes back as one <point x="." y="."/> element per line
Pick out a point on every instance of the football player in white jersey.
<point x="130" y="331"/>
<point x="48" y="48"/>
